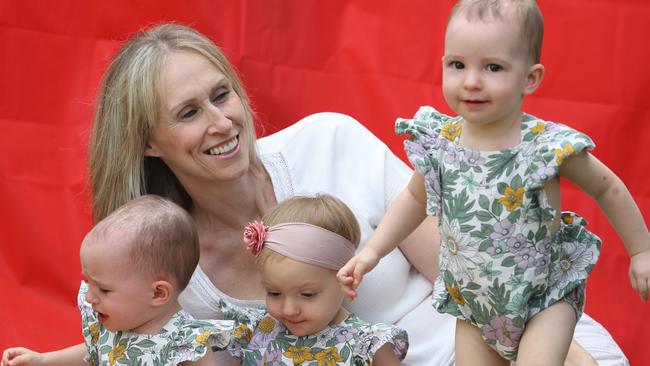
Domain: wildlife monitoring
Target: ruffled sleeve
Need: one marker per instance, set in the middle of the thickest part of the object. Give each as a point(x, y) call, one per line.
point(193, 336)
point(245, 321)
point(429, 134)
point(555, 144)
point(373, 336)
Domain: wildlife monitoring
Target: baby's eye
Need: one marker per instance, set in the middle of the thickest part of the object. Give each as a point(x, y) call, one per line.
point(104, 291)
point(456, 65)
point(308, 295)
point(273, 293)
point(494, 67)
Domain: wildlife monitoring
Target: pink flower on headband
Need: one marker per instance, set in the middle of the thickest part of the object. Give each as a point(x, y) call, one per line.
point(254, 236)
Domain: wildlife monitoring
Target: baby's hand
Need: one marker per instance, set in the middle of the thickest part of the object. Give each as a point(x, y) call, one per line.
point(640, 273)
point(21, 356)
point(351, 274)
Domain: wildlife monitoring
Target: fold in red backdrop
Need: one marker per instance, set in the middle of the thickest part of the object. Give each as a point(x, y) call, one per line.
point(374, 60)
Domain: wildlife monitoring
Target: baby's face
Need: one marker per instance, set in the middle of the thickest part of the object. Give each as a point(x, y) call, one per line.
point(305, 298)
point(485, 69)
point(119, 294)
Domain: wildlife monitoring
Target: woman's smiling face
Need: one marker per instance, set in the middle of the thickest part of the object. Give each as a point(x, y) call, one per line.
point(200, 134)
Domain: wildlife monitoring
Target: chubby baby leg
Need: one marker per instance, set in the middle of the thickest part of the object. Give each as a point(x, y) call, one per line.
point(547, 336)
point(471, 348)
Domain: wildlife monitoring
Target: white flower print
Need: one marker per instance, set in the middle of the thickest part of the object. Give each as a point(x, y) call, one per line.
point(459, 254)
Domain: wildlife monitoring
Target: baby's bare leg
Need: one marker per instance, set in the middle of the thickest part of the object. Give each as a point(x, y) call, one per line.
point(471, 349)
point(547, 336)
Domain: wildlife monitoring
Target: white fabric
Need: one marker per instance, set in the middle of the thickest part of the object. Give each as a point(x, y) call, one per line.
point(333, 153)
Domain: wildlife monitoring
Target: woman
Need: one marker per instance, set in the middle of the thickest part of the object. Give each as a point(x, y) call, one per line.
point(173, 119)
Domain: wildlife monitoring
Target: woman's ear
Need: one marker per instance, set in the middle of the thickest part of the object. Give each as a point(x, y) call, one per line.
point(162, 292)
point(150, 150)
point(534, 78)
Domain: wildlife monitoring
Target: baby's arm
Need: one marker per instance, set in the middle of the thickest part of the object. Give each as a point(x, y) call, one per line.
point(405, 213)
point(385, 357)
point(22, 356)
point(616, 202)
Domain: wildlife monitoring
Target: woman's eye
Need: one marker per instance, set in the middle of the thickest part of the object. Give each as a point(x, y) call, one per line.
point(220, 96)
point(456, 65)
point(494, 67)
point(187, 113)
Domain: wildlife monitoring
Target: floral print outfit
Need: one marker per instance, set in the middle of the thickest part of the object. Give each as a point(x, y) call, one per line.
point(500, 264)
point(183, 338)
point(260, 339)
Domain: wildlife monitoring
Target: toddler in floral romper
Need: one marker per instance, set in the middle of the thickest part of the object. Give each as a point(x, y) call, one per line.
point(136, 262)
point(512, 264)
point(306, 241)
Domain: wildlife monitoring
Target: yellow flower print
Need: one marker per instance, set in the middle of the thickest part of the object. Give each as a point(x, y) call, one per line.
point(94, 332)
point(267, 324)
point(299, 355)
point(203, 338)
point(513, 198)
point(450, 131)
point(540, 127)
point(328, 357)
point(116, 354)
point(454, 291)
point(243, 332)
point(567, 219)
point(561, 154)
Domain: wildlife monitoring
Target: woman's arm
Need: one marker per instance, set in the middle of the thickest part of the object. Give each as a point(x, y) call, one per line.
point(616, 202)
point(422, 248)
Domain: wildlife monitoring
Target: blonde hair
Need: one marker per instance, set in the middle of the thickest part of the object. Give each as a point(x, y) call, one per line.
point(128, 108)
point(527, 11)
point(163, 241)
point(322, 210)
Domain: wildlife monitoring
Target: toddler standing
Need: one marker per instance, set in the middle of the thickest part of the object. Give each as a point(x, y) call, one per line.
point(513, 265)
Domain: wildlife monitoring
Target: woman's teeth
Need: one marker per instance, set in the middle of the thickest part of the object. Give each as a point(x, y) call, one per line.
point(224, 149)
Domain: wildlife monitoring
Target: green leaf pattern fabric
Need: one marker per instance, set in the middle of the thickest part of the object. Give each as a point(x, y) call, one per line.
point(183, 338)
point(260, 339)
point(500, 264)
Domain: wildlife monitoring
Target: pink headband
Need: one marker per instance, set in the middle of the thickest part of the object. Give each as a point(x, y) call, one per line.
point(302, 242)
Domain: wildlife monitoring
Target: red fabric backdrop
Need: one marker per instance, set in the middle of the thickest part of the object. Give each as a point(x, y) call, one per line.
point(375, 60)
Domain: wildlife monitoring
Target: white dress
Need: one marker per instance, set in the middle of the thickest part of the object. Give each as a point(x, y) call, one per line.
point(333, 153)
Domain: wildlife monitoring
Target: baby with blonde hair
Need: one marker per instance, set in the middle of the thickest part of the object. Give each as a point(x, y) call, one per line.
point(299, 246)
point(136, 262)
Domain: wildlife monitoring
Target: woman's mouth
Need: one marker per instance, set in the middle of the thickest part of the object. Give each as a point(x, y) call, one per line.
point(225, 148)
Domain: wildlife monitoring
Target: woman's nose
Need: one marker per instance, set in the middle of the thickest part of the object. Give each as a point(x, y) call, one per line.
point(217, 120)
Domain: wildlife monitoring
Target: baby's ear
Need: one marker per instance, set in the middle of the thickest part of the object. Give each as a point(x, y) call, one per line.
point(534, 78)
point(162, 292)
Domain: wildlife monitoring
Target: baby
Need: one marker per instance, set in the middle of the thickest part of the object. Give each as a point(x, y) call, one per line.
point(512, 265)
point(136, 262)
point(306, 241)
